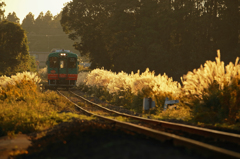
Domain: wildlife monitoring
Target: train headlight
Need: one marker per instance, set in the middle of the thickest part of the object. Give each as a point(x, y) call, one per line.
point(62, 54)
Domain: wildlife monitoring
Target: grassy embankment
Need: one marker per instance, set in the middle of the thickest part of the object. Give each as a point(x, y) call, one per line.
point(209, 95)
point(25, 109)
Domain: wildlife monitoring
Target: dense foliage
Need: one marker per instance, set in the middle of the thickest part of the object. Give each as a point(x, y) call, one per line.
point(12, 17)
point(2, 4)
point(14, 55)
point(14, 50)
point(172, 36)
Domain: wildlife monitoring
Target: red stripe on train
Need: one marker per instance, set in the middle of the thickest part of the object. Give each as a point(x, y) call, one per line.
point(55, 76)
point(72, 76)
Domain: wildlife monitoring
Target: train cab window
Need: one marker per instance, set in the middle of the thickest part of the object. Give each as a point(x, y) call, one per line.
point(53, 62)
point(62, 64)
point(72, 62)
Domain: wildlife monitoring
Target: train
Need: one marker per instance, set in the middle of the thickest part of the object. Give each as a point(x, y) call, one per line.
point(62, 69)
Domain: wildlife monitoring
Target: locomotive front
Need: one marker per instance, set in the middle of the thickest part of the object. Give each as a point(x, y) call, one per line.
point(62, 69)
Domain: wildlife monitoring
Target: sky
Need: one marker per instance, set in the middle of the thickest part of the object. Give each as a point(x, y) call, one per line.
point(23, 7)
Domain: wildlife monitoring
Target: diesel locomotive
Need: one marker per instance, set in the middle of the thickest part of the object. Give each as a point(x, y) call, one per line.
point(62, 69)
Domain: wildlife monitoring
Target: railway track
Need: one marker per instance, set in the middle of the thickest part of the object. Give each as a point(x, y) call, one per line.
point(167, 131)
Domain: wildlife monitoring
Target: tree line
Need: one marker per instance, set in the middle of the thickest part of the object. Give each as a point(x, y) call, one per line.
point(16, 40)
point(44, 33)
point(14, 53)
point(172, 36)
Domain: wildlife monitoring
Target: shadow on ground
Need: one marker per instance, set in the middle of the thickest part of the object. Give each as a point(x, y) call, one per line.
point(99, 140)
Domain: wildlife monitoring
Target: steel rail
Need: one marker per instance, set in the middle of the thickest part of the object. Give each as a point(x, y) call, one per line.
point(220, 135)
point(164, 136)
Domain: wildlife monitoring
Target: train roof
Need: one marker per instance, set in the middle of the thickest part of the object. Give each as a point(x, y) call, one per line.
point(56, 54)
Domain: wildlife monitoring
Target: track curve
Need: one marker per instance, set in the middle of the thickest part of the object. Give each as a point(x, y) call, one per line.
point(164, 136)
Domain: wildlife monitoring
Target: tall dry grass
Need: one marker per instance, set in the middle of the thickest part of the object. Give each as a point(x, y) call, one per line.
point(209, 94)
point(129, 89)
point(214, 91)
point(18, 87)
point(146, 83)
point(24, 108)
point(212, 72)
point(43, 73)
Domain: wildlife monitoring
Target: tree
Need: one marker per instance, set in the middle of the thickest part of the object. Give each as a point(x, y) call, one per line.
point(47, 19)
point(229, 25)
point(56, 27)
point(39, 25)
point(43, 23)
point(14, 53)
point(45, 32)
point(32, 64)
point(120, 35)
point(28, 22)
point(2, 4)
point(12, 17)
point(85, 20)
point(131, 35)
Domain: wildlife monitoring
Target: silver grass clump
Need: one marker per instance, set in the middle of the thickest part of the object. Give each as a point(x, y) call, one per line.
point(213, 71)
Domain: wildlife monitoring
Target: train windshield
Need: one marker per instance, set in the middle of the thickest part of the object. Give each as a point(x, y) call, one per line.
point(53, 62)
point(72, 62)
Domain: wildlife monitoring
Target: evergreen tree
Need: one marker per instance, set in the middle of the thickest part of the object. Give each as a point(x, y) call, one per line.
point(2, 4)
point(39, 24)
point(45, 32)
point(12, 17)
point(47, 19)
point(28, 22)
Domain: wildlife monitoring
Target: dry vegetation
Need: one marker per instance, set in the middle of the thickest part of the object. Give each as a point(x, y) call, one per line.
point(210, 94)
point(24, 108)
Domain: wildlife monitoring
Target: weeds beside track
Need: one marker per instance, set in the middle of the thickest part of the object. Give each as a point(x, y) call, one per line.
point(152, 130)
